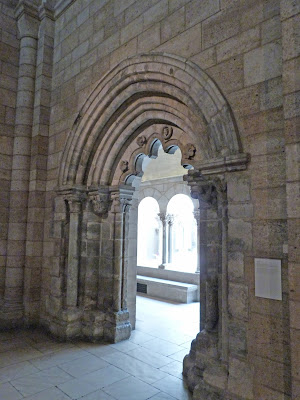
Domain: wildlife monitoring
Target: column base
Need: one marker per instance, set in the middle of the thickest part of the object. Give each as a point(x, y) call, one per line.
point(11, 315)
point(162, 266)
point(209, 378)
point(117, 326)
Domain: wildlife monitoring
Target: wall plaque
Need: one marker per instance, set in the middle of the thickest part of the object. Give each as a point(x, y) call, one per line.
point(268, 278)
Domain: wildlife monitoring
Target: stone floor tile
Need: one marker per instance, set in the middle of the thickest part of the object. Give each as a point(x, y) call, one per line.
point(49, 394)
point(101, 350)
point(8, 392)
point(125, 346)
point(161, 346)
point(179, 356)
point(138, 337)
point(186, 345)
point(149, 357)
point(174, 368)
point(18, 355)
point(40, 381)
point(83, 365)
point(105, 376)
point(172, 336)
point(57, 358)
point(130, 388)
point(135, 367)
point(16, 371)
point(162, 396)
point(98, 395)
point(76, 388)
point(48, 348)
point(174, 387)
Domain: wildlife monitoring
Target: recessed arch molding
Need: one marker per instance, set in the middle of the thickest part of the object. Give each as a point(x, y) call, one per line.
point(144, 102)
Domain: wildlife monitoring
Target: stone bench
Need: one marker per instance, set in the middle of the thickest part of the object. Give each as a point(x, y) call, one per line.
point(165, 289)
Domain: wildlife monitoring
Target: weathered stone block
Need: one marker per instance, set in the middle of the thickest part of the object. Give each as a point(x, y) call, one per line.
point(238, 300)
point(198, 11)
point(235, 266)
point(220, 27)
point(240, 380)
point(268, 238)
point(155, 13)
point(271, 94)
point(271, 30)
point(291, 105)
point(229, 74)
point(263, 63)
point(206, 58)
point(290, 37)
point(149, 39)
point(269, 203)
point(173, 25)
point(238, 44)
point(186, 44)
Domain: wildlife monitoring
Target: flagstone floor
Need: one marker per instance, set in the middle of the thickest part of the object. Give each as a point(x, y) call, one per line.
point(147, 366)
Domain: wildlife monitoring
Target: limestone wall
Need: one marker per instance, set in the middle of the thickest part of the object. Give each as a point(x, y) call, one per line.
point(250, 49)
point(239, 44)
point(9, 61)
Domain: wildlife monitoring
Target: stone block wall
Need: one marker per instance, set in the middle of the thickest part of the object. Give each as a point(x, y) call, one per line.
point(250, 48)
point(239, 44)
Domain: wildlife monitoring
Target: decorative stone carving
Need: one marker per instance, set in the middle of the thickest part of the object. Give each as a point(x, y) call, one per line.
point(124, 166)
point(121, 200)
point(100, 203)
point(190, 151)
point(207, 190)
point(141, 141)
point(167, 132)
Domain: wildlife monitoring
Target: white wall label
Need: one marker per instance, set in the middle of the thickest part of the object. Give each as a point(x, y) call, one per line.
point(268, 278)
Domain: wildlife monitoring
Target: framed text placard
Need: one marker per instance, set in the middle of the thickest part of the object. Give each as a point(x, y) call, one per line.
point(268, 278)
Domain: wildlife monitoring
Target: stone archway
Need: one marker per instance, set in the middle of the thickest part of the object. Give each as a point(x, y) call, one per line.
point(144, 100)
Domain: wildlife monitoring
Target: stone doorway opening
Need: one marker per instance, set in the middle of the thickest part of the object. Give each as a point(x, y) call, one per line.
point(166, 234)
point(144, 102)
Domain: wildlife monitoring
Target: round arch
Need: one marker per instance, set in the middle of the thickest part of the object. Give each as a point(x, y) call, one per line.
point(145, 101)
point(142, 91)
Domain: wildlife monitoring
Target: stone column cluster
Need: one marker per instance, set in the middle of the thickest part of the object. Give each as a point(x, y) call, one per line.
point(28, 23)
point(211, 343)
point(89, 291)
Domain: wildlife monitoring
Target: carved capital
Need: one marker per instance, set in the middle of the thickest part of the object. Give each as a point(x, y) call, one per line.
point(75, 203)
point(100, 202)
point(166, 218)
point(207, 190)
point(170, 219)
point(121, 199)
point(46, 10)
point(27, 16)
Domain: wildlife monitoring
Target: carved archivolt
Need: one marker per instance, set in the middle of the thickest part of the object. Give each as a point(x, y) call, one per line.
point(141, 141)
point(190, 151)
point(167, 132)
point(124, 166)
